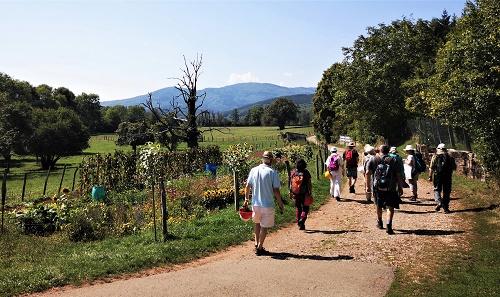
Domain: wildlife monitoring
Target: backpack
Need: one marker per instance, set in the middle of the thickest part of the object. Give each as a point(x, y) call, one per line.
point(334, 163)
point(350, 158)
point(297, 183)
point(419, 163)
point(384, 174)
point(440, 163)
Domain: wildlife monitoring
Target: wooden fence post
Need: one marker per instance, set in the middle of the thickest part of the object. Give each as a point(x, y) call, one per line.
point(61, 182)
point(164, 209)
point(288, 171)
point(154, 208)
point(46, 180)
point(317, 167)
point(236, 191)
point(4, 194)
point(74, 178)
point(24, 187)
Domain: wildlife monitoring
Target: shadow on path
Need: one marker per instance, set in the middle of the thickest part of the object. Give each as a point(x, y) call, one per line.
point(477, 209)
point(364, 201)
point(430, 232)
point(415, 212)
point(286, 256)
point(332, 232)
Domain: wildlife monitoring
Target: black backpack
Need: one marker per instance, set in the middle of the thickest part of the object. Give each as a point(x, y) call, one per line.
point(419, 163)
point(384, 174)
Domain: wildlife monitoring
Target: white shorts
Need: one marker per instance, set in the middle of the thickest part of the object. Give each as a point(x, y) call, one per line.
point(263, 216)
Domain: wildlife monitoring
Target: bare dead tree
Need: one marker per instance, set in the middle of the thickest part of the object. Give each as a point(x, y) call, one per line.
point(181, 121)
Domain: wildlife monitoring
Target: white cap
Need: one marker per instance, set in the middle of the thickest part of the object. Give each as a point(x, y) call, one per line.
point(393, 149)
point(409, 147)
point(441, 146)
point(333, 149)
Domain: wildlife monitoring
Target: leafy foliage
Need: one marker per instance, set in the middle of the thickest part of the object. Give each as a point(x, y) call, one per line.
point(280, 112)
point(236, 157)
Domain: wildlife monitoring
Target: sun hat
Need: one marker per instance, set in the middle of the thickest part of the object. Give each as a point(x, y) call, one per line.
point(441, 146)
point(333, 149)
point(369, 148)
point(351, 144)
point(409, 147)
point(393, 149)
point(267, 155)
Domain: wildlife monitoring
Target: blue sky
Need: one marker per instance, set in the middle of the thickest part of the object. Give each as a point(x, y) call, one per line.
point(120, 49)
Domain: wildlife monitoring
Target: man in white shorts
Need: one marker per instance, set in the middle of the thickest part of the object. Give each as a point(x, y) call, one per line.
point(264, 183)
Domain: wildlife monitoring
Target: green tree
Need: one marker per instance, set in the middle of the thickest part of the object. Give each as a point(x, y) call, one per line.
point(136, 114)
point(134, 134)
point(113, 116)
point(57, 133)
point(280, 112)
point(465, 91)
point(89, 110)
point(235, 117)
point(254, 116)
point(15, 127)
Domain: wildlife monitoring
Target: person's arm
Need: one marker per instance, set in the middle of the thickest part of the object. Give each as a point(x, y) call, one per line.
point(431, 171)
point(247, 193)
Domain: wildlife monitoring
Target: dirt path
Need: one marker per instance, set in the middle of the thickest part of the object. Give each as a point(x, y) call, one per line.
point(341, 253)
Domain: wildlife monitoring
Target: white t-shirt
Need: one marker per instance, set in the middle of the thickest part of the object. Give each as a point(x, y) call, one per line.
point(408, 167)
point(327, 162)
point(263, 180)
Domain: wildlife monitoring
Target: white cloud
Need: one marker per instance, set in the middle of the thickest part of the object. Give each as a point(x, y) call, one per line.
point(235, 78)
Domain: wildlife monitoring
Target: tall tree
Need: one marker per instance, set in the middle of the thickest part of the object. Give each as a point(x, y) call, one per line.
point(235, 117)
point(280, 112)
point(254, 116)
point(134, 134)
point(57, 133)
point(89, 110)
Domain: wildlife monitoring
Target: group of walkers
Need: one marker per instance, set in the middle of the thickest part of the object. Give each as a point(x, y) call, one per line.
point(385, 175)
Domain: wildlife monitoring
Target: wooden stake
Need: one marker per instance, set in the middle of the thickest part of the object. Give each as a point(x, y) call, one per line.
point(4, 195)
point(46, 180)
point(24, 187)
point(236, 191)
point(74, 178)
point(164, 209)
point(61, 182)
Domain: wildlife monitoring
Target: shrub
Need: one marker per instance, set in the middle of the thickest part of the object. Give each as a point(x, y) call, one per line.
point(41, 219)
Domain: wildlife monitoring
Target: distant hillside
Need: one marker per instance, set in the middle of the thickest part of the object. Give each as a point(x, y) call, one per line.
point(303, 100)
point(220, 99)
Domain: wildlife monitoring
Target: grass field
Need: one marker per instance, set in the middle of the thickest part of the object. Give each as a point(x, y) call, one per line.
point(261, 137)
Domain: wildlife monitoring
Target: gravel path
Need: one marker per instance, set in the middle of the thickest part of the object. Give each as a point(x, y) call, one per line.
point(341, 253)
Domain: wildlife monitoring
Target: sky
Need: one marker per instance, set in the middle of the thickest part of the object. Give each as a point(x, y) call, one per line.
point(121, 49)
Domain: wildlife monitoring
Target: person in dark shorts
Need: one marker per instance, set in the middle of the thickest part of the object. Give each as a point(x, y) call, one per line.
point(351, 158)
point(384, 174)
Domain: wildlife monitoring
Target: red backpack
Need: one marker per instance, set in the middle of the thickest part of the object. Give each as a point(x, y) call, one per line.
point(297, 185)
point(350, 158)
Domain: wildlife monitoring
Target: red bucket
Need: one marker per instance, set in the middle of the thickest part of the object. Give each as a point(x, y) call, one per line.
point(245, 213)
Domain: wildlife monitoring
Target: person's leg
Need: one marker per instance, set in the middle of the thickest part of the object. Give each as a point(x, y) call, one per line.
point(446, 194)
point(332, 184)
point(262, 237)
point(437, 192)
point(380, 224)
point(256, 230)
point(390, 215)
point(336, 185)
point(298, 214)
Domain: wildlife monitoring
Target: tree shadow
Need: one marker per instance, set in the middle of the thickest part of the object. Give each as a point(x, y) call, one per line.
point(286, 256)
point(355, 200)
point(477, 209)
point(331, 232)
point(418, 203)
point(415, 212)
point(430, 232)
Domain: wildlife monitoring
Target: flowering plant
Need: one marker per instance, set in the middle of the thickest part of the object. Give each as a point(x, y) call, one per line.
point(237, 156)
point(149, 163)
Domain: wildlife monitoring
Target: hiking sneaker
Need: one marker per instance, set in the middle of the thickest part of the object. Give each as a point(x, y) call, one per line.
point(380, 225)
point(337, 198)
point(351, 189)
point(446, 210)
point(261, 252)
point(302, 226)
point(438, 207)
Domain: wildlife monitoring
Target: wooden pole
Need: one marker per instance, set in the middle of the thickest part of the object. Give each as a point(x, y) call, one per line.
point(4, 195)
point(154, 208)
point(236, 191)
point(61, 182)
point(317, 167)
point(74, 178)
point(164, 209)
point(288, 171)
point(321, 158)
point(46, 180)
point(24, 187)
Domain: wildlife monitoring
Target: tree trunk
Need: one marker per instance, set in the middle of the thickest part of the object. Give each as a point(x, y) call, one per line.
point(48, 161)
point(7, 158)
point(192, 129)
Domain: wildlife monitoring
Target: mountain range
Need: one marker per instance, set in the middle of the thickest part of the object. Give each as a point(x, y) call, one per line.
point(242, 95)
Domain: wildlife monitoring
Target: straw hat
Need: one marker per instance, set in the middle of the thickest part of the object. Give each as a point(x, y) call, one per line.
point(369, 148)
point(409, 147)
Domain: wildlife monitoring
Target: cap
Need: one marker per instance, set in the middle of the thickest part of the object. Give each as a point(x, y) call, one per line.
point(409, 147)
point(441, 146)
point(351, 144)
point(333, 149)
point(392, 149)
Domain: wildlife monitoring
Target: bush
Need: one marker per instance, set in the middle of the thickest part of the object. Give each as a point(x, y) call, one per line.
point(41, 219)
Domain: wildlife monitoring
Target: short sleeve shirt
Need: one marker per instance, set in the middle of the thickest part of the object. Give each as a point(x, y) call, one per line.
point(263, 179)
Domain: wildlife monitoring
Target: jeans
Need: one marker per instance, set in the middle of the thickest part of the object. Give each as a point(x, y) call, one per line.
point(442, 185)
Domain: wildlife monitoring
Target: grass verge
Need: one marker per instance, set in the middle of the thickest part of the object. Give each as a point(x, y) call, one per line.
point(470, 273)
